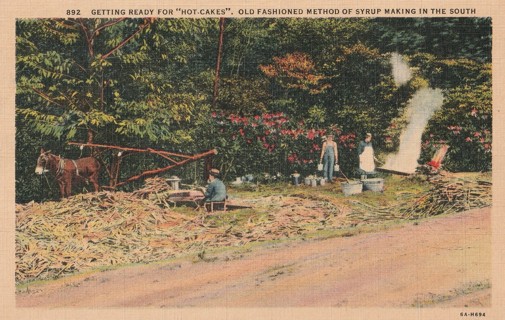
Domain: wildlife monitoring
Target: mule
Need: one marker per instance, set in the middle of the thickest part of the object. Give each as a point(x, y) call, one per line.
point(67, 171)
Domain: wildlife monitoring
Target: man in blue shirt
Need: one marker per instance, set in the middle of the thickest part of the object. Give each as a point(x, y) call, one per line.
point(216, 190)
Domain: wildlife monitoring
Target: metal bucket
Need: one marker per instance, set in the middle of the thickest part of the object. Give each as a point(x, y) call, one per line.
point(375, 184)
point(352, 187)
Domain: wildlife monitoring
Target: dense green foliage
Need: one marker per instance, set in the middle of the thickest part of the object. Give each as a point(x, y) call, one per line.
point(283, 84)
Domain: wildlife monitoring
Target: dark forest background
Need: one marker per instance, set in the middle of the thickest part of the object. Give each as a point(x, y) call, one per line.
point(262, 92)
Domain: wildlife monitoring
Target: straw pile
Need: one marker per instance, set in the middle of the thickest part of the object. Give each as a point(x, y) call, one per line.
point(102, 229)
point(152, 186)
point(87, 231)
point(449, 196)
point(95, 230)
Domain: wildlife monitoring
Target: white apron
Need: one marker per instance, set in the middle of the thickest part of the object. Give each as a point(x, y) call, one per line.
point(366, 161)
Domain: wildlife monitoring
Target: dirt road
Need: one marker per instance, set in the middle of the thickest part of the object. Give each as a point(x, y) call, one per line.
point(445, 261)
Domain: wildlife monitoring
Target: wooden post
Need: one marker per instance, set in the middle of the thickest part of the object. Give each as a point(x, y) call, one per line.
point(207, 167)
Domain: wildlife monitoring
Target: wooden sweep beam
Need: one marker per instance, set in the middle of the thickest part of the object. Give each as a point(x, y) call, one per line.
point(148, 150)
point(164, 154)
point(160, 170)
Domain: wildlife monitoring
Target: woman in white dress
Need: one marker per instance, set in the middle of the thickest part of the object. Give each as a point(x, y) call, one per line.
point(366, 155)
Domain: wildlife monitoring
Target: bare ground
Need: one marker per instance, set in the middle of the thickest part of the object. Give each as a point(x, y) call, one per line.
point(442, 262)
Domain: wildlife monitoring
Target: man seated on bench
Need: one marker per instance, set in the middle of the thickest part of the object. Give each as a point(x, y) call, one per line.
point(216, 190)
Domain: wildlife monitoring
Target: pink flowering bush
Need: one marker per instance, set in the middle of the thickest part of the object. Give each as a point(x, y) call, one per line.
point(269, 143)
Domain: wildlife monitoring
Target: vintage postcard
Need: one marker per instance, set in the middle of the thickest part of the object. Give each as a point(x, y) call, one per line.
point(232, 160)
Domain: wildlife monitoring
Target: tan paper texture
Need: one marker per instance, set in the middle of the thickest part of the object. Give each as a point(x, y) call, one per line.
point(10, 11)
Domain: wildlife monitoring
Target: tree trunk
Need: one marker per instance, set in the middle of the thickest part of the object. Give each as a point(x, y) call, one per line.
point(218, 62)
point(207, 168)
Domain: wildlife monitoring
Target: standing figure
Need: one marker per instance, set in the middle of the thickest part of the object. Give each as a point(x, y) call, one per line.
point(366, 156)
point(329, 157)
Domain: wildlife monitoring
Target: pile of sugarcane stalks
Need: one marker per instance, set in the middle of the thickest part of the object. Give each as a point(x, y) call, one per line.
point(156, 190)
point(86, 231)
point(449, 196)
point(94, 230)
point(152, 186)
point(363, 213)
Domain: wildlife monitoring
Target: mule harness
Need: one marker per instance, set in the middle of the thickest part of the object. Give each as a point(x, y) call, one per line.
point(61, 166)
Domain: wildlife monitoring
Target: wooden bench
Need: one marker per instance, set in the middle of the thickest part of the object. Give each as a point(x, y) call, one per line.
point(215, 205)
point(185, 196)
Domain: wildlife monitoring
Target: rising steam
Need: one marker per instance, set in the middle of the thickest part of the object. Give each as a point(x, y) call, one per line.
point(419, 111)
point(401, 70)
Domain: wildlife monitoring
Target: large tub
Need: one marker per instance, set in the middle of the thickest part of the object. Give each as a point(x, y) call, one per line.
point(352, 187)
point(375, 184)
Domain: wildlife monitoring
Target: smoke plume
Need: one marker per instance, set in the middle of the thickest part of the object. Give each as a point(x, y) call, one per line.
point(401, 70)
point(420, 109)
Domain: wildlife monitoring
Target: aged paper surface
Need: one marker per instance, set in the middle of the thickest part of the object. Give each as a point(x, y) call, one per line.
point(240, 9)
